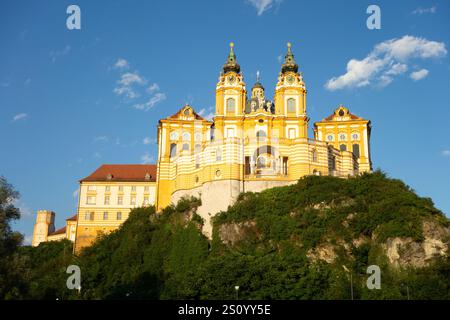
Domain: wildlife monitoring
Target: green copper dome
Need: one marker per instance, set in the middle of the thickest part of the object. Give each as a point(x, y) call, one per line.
point(289, 61)
point(231, 64)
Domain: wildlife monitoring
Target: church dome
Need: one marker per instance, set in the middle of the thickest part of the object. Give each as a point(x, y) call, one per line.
point(231, 63)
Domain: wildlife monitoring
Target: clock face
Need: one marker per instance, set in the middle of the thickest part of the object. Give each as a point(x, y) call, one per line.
point(290, 79)
point(231, 79)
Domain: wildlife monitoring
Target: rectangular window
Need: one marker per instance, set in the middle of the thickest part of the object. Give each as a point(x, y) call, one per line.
point(231, 105)
point(107, 189)
point(146, 189)
point(291, 105)
point(133, 189)
point(106, 200)
point(120, 200)
point(91, 188)
point(285, 165)
point(105, 215)
point(218, 154)
point(247, 166)
point(89, 216)
point(146, 202)
point(90, 200)
point(292, 134)
point(120, 188)
point(230, 133)
point(356, 150)
point(132, 201)
point(119, 215)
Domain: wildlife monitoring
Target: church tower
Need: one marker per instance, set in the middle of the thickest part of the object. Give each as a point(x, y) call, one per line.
point(230, 90)
point(45, 224)
point(230, 96)
point(290, 98)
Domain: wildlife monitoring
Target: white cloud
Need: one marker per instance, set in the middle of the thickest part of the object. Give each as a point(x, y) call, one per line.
point(396, 69)
point(155, 99)
point(129, 78)
point(126, 83)
point(101, 139)
point(131, 85)
point(121, 64)
point(58, 53)
point(420, 11)
point(207, 114)
point(127, 91)
point(418, 75)
point(410, 47)
point(263, 5)
point(148, 140)
point(153, 88)
point(387, 59)
point(146, 158)
point(19, 116)
point(446, 153)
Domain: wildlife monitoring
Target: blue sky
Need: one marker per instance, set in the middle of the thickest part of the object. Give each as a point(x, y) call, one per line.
point(71, 100)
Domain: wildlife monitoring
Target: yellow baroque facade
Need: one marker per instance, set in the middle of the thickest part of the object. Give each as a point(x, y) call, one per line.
point(251, 144)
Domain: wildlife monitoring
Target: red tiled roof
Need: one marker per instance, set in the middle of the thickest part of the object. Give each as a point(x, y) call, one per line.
point(123, 172)
point(59, 231)
point(73, 218)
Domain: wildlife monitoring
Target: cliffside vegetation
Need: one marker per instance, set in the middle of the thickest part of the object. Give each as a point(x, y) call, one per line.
point(311, 240)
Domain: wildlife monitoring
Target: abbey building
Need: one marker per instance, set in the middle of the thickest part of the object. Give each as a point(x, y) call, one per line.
point(251, 144)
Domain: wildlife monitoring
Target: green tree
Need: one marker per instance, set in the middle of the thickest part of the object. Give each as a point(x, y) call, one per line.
point(11, 264)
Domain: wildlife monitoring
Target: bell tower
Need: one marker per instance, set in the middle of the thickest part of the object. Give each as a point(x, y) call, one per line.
point(45, 224)
point(230, 90)
point(290, 94)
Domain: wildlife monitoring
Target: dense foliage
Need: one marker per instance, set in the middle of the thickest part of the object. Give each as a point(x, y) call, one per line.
point(165, 255)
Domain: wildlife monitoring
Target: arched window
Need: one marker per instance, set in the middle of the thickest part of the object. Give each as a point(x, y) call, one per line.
point(356, 150)
point(314, 155)
point(173, 150)
point(261, 134)
point(342, 137)
point(231, 105)
point(186, 136)
point(185, 146)
point(291, 105)
point(333, 163)
point(343, 147)
point(173, 135)
point(355, 136)
point(198, 136)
